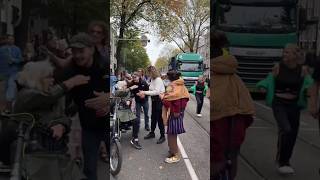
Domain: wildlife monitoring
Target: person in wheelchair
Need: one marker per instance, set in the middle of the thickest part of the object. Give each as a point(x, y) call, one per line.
point(40, 97)
point(123, 90)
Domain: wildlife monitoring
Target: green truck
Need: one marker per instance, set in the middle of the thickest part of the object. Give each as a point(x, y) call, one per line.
point(257, 30)
point(190, 65)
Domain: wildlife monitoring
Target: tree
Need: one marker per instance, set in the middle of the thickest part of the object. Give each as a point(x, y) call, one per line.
point(134, 55)
point(182, 22)
point(125, 14)
point(161, 62)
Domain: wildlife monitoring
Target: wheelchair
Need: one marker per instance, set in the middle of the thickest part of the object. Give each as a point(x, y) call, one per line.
point(121, 117)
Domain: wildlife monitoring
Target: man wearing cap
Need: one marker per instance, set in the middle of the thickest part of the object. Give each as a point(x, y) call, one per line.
point(91, 99)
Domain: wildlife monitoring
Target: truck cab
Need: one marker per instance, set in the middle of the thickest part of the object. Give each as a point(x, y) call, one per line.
point(190, 65)
point(257, 31)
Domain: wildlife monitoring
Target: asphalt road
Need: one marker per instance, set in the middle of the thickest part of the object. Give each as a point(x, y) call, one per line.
point(148, 163)
point(259, 149)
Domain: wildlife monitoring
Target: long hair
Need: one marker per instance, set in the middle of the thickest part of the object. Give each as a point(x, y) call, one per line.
point(153, 72)
point(33, 73)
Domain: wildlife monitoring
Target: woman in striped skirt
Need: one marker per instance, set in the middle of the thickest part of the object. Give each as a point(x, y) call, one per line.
point(174, 100)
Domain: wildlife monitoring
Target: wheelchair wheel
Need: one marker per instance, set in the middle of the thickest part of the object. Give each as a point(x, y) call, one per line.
point(115, 157)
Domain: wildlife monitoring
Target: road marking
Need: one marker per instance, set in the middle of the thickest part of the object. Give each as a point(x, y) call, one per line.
point(187, 161)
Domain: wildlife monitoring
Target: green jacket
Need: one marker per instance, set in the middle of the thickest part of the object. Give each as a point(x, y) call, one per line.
point(269, 85)
point(193, 89)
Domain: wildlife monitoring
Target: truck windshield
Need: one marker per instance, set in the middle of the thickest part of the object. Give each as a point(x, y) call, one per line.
point(258, 19)
point(190, 66)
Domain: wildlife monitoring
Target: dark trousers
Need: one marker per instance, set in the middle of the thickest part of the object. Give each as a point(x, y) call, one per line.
point(136, 124)
point(156, 115)
point(199, 98)
point(90, 145)
point(8, 134)
point(287, 116)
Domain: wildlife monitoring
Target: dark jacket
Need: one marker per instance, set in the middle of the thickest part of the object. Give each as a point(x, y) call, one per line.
point(142, 86)
point(98, 73)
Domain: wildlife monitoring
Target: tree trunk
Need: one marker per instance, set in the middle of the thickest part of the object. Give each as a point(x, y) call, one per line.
point(120, 65)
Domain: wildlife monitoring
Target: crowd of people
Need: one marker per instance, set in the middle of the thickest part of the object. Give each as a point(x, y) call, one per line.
point(169, 97)
point(289, 89)
point(55, 81)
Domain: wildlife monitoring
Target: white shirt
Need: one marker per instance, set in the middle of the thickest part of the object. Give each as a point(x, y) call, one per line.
point(156, 87)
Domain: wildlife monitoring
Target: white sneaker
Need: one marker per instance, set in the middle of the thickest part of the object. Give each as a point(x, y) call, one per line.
point(285, 170)
point(173, 159)
point(199, 115)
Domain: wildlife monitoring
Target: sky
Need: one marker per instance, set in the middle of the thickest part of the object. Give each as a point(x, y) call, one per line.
point(155, 46)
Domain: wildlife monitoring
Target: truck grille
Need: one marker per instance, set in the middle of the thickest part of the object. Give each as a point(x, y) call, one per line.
point(253, 69)
point(189, 83)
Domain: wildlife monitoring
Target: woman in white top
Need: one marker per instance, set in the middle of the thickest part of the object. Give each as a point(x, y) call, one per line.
point(155, 89)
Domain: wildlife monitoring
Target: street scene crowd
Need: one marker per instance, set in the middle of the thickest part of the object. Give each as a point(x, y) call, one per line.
point(169, 98)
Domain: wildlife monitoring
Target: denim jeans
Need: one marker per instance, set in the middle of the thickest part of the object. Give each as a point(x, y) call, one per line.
point(11, 88)
point(136, 124)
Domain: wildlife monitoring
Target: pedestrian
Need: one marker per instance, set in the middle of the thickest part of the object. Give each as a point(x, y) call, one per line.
point(232, 110)
point(156, 87)
point(286, 89)
point(98, 31)
point(29, 52)
point(11, 58)
point(175, 100)
point(145, 78)
point(140, 102)
point(91, 100)
point(199, 90)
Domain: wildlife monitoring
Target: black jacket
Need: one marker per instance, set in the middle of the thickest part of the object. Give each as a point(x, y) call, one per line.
point(142, 86)
point(98, 82)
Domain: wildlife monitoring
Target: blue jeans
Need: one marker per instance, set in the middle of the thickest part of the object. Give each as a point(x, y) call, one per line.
point(145, 107)
point(11, 88)
point(90, 145)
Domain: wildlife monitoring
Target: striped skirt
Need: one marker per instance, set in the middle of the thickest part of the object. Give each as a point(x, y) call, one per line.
point(175, 124)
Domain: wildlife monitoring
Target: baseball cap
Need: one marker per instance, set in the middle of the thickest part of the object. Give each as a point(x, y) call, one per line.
point(81, 40)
